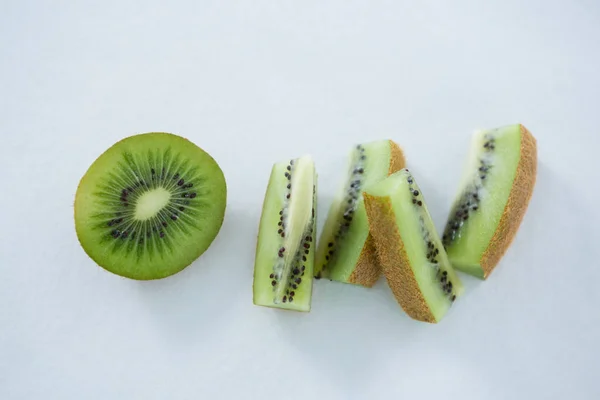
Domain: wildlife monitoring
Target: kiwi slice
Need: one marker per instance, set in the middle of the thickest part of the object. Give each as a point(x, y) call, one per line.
point(493, 197)
point(410, 251)
point(345, 252)
point(150, 205)
point(283, 267)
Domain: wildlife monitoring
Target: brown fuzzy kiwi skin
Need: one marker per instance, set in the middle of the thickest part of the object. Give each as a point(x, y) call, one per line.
point(394, 260)
point(516, 206)
point(368, 268)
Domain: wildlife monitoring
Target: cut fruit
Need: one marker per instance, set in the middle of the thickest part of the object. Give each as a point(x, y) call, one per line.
point(150, 205)
point(345, 252)
point(492, 200)
point(410, 251)
point(283, 267)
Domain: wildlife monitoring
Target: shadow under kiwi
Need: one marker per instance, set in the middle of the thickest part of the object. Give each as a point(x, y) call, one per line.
point(191, 305)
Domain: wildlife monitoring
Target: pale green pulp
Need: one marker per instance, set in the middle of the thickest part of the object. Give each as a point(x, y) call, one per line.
point(408, 220)
point(466, 250)
point(269, 242)
point(348, 248)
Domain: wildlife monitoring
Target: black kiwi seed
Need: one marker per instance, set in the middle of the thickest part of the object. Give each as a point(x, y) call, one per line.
point(296, 271)
point(273, 283)
point(419, 203)
point(298, 281)
point(180, 182)
point(284, 299)
point(416, 193)
point(291, 299)
point(303, 258)
point(193, 195)
point(272, 276)
point(292, 293)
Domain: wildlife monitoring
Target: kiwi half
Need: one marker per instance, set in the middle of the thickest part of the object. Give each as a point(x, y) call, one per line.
point(493, 197)
point(345, 252)
point(283, 266)
point(410, 251)
point(150, 205)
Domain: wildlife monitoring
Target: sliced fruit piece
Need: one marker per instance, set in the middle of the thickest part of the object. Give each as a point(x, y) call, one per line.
point(150, 205)
point(345, 252)
point(410, 251)
point(283, 267)
point(493, 197)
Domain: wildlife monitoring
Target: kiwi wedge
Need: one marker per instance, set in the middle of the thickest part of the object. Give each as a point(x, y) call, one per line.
point(283, 267)
point(410, 251)
point(494, 194)
point(150, 205)
point(345, 252)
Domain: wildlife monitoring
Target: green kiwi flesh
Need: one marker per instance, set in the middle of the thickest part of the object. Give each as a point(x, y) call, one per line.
point(411, 253)
point(284, 260)
point(345, 243)
point(150, 205)
point(497, 182)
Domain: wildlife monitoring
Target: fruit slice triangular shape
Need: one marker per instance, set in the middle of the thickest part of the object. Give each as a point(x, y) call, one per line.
point(345, 252)
point(410, 251)
point(495, 190)
point(283, 267)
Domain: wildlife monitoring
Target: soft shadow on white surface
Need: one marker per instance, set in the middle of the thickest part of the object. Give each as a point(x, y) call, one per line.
point(185, 308)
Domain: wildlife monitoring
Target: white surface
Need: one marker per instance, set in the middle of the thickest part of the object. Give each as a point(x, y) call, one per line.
point(259, 81)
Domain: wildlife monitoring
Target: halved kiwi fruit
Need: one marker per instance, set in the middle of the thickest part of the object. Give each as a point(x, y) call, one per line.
point(345, 252)
point(150, 205)
point(410, 251)
point(283, 267)
point(493, 197)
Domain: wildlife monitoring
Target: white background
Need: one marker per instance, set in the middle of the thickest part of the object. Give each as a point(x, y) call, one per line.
point(255, 82)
